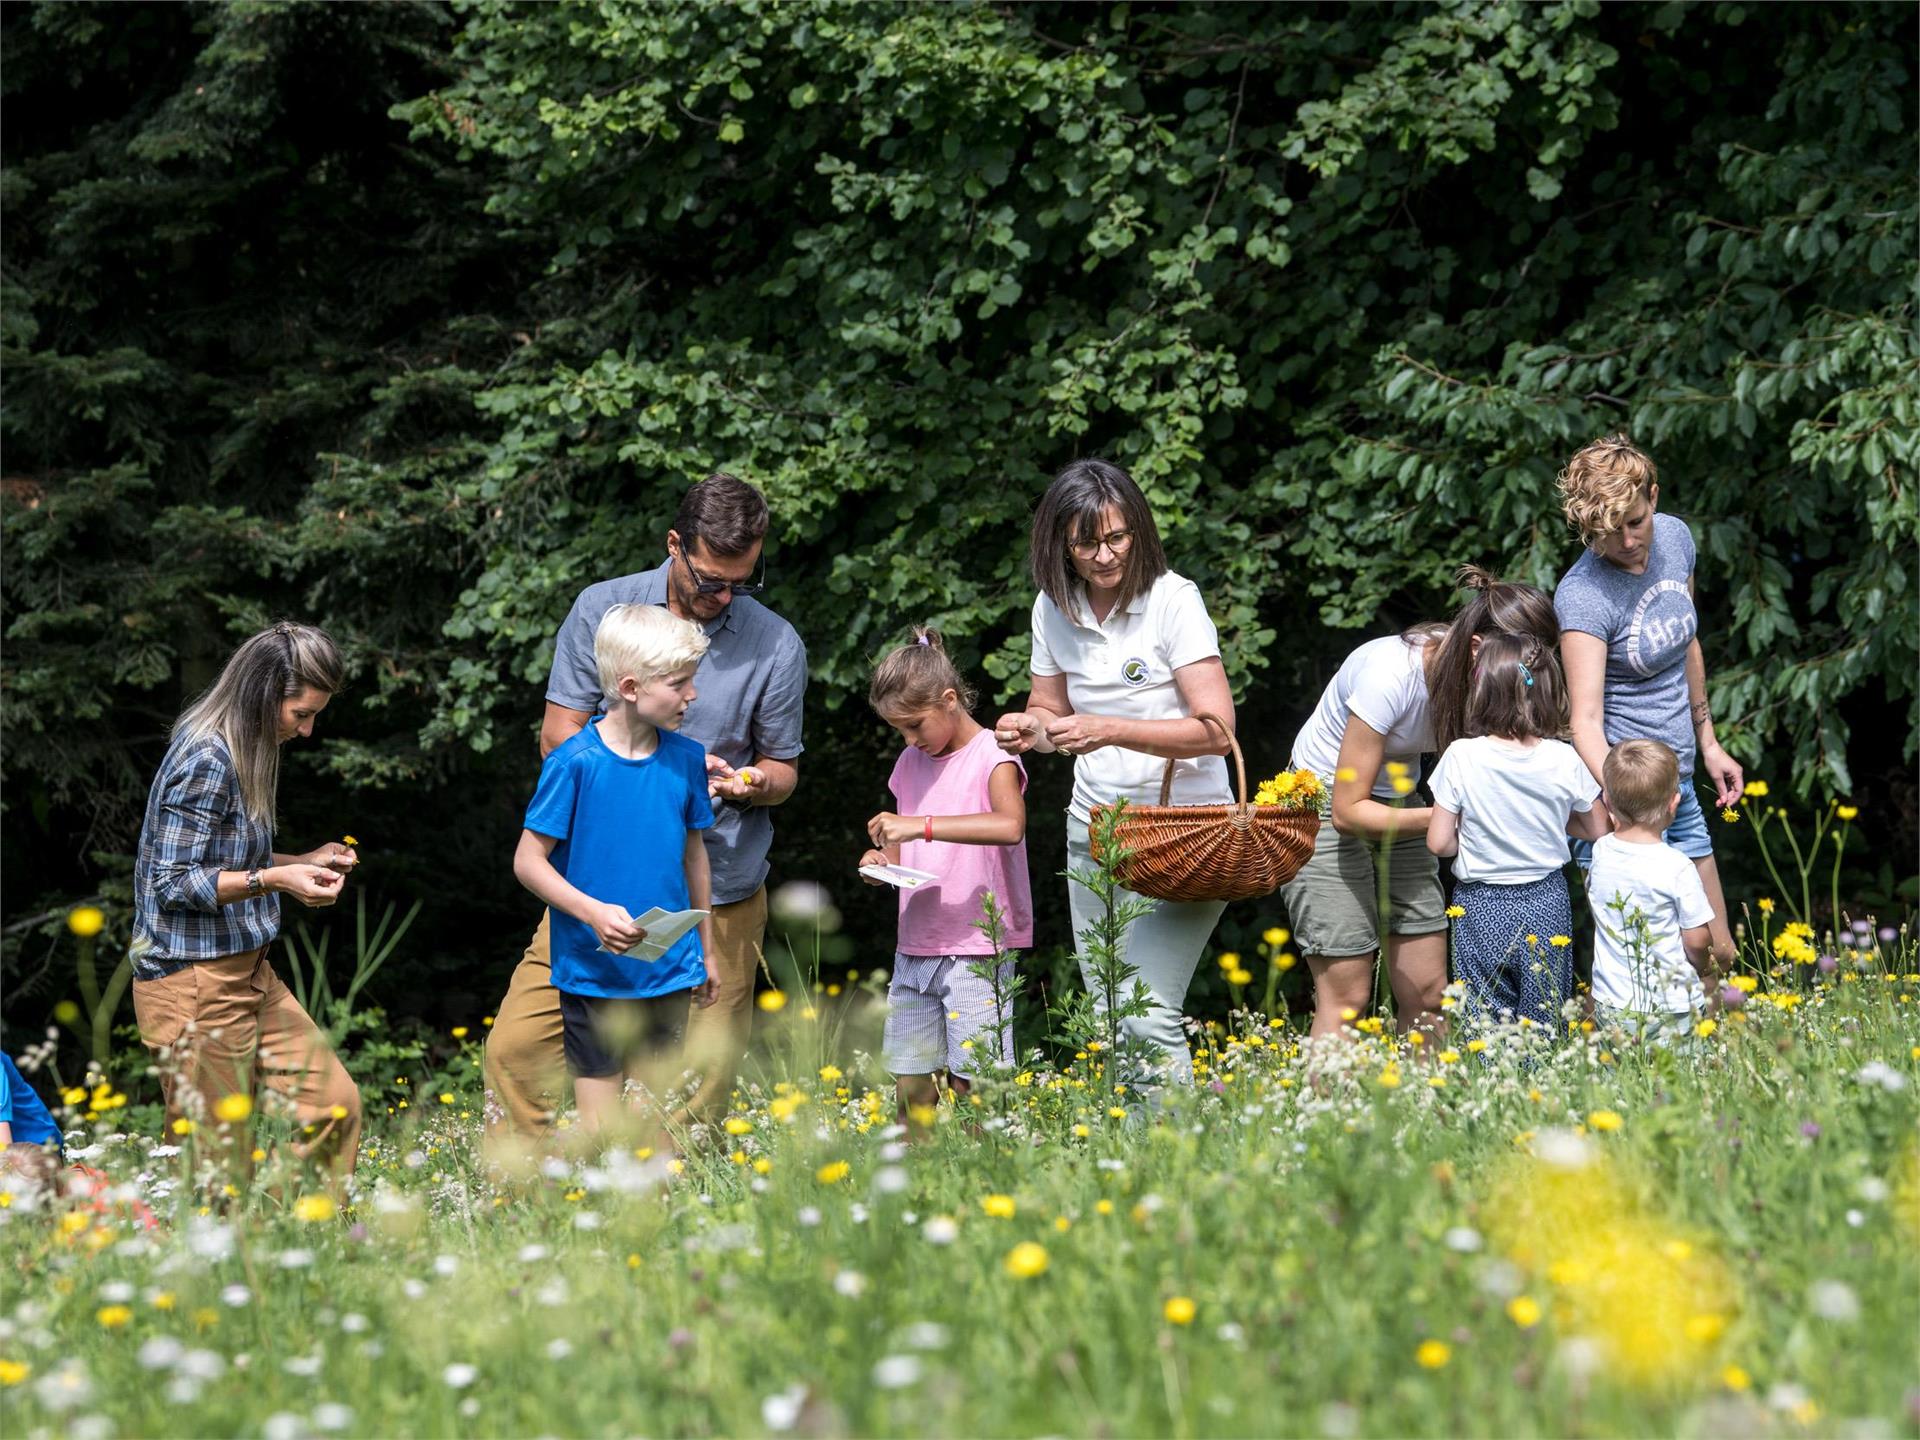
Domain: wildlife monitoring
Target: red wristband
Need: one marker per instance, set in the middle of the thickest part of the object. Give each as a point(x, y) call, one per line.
point(929, 829)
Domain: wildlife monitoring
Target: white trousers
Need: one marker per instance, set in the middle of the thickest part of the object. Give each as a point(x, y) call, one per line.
point(1164, 946)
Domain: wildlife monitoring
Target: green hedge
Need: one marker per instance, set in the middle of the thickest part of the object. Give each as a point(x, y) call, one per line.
point(413, 321)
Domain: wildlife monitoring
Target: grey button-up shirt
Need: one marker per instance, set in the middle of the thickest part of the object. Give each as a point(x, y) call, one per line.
point(751, 686)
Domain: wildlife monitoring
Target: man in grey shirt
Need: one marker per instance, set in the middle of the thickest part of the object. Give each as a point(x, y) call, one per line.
point(751, 688)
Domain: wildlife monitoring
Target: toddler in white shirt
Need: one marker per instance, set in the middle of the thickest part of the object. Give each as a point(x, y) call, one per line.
point(1652, 950)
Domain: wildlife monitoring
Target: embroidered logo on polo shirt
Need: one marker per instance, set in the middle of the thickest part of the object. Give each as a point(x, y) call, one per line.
point(1134, 672)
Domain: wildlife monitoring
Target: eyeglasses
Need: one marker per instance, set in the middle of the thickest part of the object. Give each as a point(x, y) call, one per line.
point(704, 586)
point(1118, 542)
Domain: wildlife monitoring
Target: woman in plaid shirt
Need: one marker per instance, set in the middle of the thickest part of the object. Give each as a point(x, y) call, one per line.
point(207, 887)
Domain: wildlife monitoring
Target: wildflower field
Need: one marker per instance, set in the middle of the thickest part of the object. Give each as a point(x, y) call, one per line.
point(1499, 1232)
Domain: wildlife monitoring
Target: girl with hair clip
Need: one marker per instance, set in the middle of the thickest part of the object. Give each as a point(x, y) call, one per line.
point(963, 817)
point(206, 894)
point(1395, 699)
point(1505, 799)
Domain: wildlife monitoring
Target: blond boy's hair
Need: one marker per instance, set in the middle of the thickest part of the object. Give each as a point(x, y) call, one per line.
point(1601, 485)
point(646, 642)
point(1641, 776)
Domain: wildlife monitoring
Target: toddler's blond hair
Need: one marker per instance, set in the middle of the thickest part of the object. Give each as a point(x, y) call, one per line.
point(1641, 777)
point(646, 642)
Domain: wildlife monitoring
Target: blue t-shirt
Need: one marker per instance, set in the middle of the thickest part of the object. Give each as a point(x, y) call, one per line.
point(25, 1111)
point(1649, 624)
point(622, 827)
point(753, 682)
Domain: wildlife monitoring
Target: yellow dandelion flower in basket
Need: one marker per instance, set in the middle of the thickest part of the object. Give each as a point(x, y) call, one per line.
point(1238, 851)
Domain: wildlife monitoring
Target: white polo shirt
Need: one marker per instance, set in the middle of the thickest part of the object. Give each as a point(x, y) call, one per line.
point(1124, 667)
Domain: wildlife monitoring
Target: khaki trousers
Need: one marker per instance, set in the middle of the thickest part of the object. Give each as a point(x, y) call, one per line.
point(231, 1027)
point(525, 1063)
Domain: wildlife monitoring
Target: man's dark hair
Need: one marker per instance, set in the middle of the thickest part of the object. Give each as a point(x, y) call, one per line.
point(723, 513)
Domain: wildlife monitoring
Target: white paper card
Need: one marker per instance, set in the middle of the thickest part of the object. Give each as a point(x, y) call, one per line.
point(903, 876)
point(663, 929)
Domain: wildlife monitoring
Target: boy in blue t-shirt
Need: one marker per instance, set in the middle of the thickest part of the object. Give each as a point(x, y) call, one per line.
point(614, 830)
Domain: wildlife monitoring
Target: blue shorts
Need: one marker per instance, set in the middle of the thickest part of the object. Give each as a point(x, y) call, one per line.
point(1688, 833)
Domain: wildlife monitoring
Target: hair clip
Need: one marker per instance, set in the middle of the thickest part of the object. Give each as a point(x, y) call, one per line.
point(1525, 673)
point(923, 640)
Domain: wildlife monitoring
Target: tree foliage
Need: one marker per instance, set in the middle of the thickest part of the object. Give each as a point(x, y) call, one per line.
point(415, 321)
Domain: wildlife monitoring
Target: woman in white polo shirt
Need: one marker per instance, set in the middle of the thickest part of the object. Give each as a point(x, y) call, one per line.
point(1124, 657)
point(1395, 699)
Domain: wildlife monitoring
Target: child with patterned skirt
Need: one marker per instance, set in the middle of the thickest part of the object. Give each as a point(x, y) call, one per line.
point(1506, 798)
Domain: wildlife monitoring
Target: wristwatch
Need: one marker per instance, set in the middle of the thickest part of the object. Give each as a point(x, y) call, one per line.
point(255, 885)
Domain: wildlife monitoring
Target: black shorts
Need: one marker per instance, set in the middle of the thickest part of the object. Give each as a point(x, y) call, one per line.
point(604, 1037)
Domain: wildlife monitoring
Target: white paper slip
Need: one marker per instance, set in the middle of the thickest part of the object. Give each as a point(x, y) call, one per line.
point(663, 929)
point(904, 876)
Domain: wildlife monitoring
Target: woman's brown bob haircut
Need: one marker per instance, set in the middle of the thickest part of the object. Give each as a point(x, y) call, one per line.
point(1070, 514)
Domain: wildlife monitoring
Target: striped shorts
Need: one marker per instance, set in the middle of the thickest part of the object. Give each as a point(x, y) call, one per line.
point(942, 1016)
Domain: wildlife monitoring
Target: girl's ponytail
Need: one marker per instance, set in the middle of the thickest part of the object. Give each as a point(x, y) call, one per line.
point(915, 675)
point(1476, 578)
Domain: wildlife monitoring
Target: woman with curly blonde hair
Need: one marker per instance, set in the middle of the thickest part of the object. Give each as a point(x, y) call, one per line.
point(1630, 643)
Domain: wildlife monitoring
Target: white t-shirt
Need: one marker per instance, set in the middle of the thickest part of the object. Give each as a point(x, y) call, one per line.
point(1384, 682)
point(1513, 801)
point(1662, 884)
point(1124, 666)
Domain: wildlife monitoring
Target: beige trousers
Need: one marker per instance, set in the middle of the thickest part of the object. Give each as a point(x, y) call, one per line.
point(231, 1027)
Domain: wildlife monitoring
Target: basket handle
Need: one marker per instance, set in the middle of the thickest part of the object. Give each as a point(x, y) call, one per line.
point(1239, 762)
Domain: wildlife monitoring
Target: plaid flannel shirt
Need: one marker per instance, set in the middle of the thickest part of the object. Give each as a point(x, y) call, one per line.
point(196, 827)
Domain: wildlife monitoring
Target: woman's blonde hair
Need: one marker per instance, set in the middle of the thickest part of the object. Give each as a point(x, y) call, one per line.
point(1601, 485)
point(242, 706)
point(646, 642)
point(914, 676)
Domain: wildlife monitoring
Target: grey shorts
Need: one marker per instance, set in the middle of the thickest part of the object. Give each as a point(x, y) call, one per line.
point(1335, 898)
point(940, 1016)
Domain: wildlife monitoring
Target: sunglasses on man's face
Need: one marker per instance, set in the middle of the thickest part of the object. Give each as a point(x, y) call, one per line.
point(703, 585)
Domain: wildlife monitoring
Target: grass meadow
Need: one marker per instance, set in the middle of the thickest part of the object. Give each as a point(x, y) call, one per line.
point(1502, 1233)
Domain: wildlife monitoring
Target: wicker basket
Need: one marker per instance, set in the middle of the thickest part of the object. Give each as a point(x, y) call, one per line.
point(1211, 852)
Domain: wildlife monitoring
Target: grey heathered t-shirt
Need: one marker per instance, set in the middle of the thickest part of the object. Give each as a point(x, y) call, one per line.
point(750, 688)
point(1648, 622)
